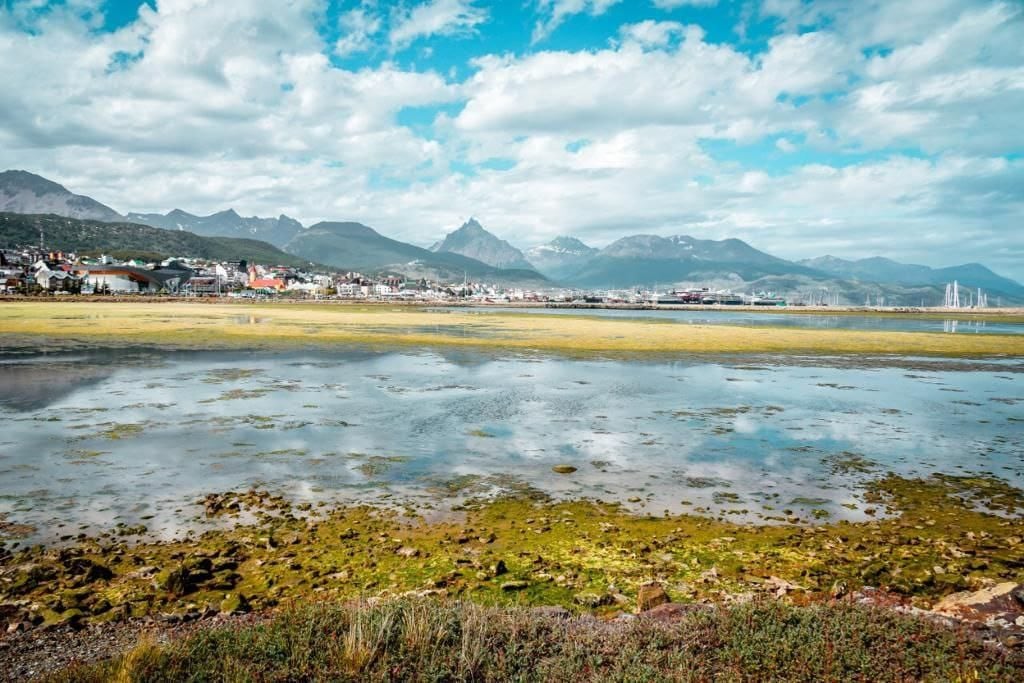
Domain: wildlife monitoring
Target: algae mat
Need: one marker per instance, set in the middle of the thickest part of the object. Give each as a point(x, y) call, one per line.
point(279, 324)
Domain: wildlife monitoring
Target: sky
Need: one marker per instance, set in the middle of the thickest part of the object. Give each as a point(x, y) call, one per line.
point(805, 127)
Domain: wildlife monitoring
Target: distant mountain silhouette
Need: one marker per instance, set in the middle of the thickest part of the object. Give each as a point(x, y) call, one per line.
point(24, 192)
point(355, 246)
point(880, 269)
point(228, 223)
point(561, 257)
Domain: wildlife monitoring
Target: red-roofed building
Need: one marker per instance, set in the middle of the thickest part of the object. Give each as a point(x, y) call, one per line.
point(267, 283)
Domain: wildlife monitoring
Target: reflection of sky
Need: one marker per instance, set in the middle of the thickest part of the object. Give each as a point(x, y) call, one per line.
point(809, 320)
point(663, 432)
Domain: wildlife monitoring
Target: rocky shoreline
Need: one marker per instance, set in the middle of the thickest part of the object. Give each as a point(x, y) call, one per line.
point(948, 550)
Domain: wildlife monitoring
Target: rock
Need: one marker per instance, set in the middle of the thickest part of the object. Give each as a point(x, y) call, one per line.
point(510, 586)
point(781, 586)
point(186, 577)
point(175, 581)
point(143, 572)
point(551, 612)
point(408, 551)
point(19, 626)
point(234, 603)
point(592, 600)
point(71, 617)
point(998, 602)
point(563, 469)
point(673, 611)
point(709, 576)
point(650, 595)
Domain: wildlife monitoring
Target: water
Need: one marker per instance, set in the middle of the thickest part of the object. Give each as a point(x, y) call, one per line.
point(93, 439)
point(885, 323)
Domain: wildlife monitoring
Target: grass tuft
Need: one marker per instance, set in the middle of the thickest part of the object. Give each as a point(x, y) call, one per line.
point(436, 640)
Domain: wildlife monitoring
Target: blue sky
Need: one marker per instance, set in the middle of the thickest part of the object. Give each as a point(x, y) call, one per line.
point(803, 126)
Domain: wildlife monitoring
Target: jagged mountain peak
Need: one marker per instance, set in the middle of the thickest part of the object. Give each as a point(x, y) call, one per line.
point(227, 223)
point(473, 240)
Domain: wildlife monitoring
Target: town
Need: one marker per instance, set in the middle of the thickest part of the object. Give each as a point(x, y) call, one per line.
point(35, 271)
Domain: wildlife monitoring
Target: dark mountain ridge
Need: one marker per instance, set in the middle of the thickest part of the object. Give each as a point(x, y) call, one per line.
point(132, 240)
point(24, 192)
point(355, 246)
point(277, 231)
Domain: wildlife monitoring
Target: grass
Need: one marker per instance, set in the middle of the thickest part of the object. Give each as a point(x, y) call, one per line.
point(420, 640)
point(216, 325)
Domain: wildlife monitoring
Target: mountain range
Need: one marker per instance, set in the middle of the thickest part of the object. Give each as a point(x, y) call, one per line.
point(359, 247)
point(276, 231)
point(473, 252)
point(132, 240)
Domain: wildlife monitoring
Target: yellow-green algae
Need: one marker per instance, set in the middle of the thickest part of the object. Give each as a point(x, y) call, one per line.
point(946, 534)
point(216, 325)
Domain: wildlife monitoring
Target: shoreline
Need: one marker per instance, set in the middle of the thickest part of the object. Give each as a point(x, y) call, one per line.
point(580, 558)
point(288, 325)
point(887, 311)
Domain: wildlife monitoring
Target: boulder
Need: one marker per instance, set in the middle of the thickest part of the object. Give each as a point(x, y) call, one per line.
point(234, 603)
point(511, 586)
point(1002, 601)
point(650, 595)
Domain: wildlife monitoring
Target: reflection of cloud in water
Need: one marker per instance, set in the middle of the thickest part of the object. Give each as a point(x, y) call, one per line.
point(657, 430)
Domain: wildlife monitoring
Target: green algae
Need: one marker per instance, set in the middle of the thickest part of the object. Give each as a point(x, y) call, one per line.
point(938, 540)
point(116, 431)
point(376, 465)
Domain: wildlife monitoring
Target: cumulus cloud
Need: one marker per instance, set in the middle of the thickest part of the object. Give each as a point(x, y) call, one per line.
point(912, 107)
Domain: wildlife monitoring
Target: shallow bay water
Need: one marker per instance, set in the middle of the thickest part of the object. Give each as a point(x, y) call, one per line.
point(785, 318)
point(95, 438)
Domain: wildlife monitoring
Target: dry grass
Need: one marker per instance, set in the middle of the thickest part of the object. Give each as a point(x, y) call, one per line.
point(270, 325)
point(760, 641)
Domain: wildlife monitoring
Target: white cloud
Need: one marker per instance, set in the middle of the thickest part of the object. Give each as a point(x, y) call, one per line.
point(785, 145)
point(436, 17)
point(358, 27)
point(651, 33)
point(207, 105)
point(672, 4)
point(554, 12)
